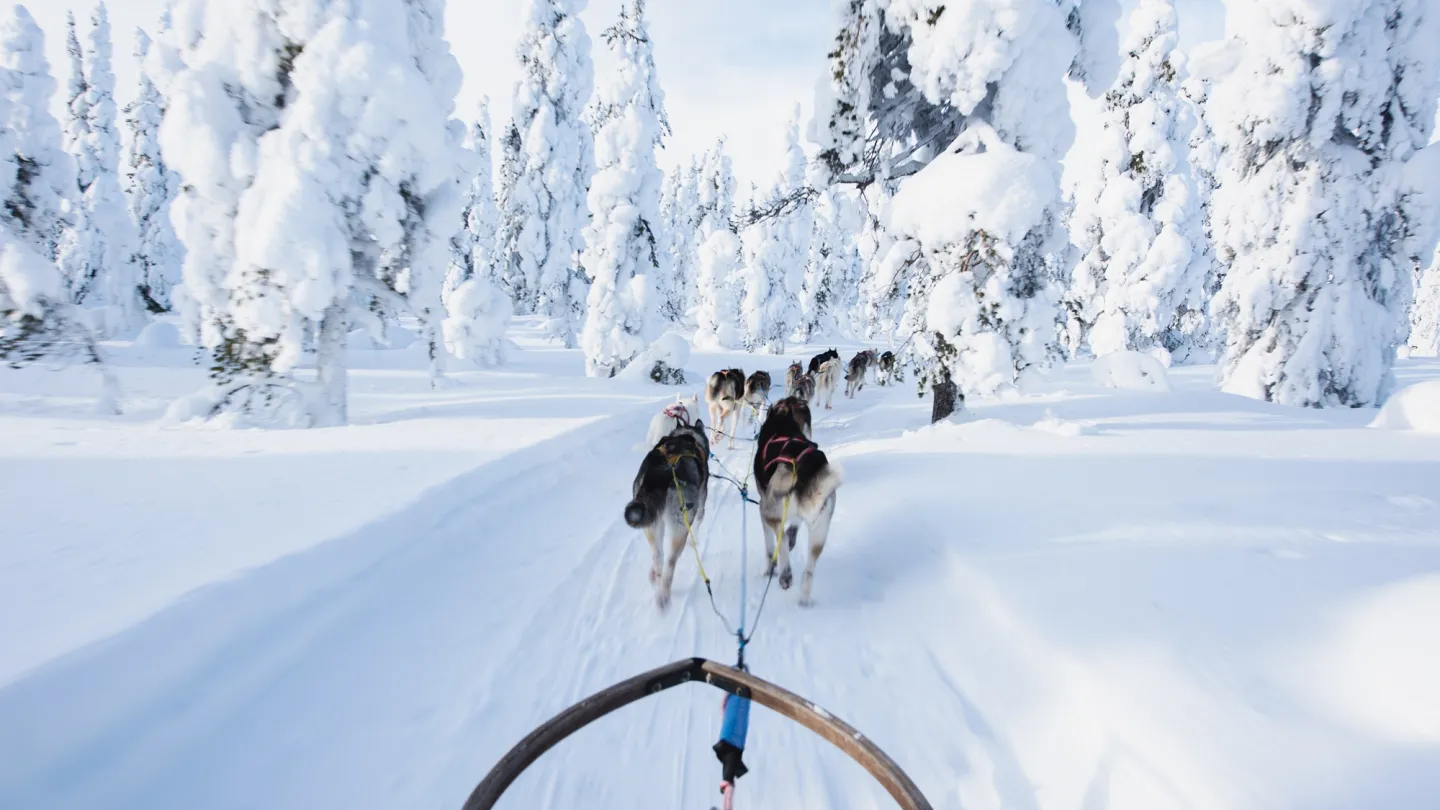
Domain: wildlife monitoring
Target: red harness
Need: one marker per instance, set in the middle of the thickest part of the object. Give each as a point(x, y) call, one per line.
point(786, 453)
point(679, 413)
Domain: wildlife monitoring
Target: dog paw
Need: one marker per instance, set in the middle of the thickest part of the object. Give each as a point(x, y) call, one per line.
point(662, 600)
point(806, 602)
point(787, 578)
point(654, 576)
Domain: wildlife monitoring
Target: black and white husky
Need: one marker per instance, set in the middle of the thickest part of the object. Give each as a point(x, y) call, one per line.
point(797, 484)
point(669, 492)
point(723, 395)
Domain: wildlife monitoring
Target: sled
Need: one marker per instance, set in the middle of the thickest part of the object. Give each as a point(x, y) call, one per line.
point(697, 670)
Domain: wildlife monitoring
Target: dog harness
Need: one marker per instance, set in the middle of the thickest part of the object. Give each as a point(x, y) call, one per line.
point(786, 449)
point(679, 413)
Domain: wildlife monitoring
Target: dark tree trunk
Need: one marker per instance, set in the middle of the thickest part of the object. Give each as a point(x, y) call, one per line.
point(945, 399)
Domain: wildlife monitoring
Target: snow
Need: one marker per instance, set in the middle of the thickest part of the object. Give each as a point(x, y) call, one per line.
point(159, 335)
point(671, 348)
point(1131, 371)
point(1195, 600)
point(1415, 407)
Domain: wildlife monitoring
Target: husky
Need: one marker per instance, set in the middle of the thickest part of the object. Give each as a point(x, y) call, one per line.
point(887, 368)
point(805, 388)
point(855, 375)
point(723, 395)
point(797, 484)
point(681, 412)
point(797, 410)
point(757, 393)
point(819, 360)
point(827, 380)
point(669, 492)
point(792, 379)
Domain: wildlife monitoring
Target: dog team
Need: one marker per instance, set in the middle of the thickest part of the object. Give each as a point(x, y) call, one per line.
point(795, 481)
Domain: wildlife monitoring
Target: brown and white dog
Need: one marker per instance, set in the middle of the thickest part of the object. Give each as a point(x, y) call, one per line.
point(757, 394)
point(826, 380)
point(797, 485)
point(723, 394)
point(792, 379)
point(887, 368)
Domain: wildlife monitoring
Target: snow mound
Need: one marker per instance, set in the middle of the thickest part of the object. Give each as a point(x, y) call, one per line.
point(1061, 427)
point(159, 335)
point(241, 406)
point(661, 361)
point(1415, 407)
point(1131, 371)
point(1380, 669)
point(396, 338)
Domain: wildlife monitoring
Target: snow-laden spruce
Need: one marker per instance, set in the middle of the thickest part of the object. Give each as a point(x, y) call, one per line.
point(99, 252)
point(624, 253)
point(1313, 216)
point(967, 102)
point(477, 309)
point(717, 254)
point(150, 188)
point(679, 204)
point(37, 320)
point(38, 204)
point(1139, 284)
point(777, 249)
point(1425, 312)
point(832, 275)
point(346, 205)
point(507, 187)
point(547, 203)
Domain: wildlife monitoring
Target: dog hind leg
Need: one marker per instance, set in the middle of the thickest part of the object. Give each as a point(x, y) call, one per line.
point(786, 576)
point(819, 531)
point(678, 536)
point(771, 531)
point(655, 557)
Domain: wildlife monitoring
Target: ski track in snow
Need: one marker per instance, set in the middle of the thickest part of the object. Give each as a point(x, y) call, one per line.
point(1141, 655)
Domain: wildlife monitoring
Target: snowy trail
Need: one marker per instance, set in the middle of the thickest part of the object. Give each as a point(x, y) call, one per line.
point(1023, 618)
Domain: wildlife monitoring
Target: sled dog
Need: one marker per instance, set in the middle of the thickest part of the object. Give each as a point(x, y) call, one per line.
point(818, 360)
point(792, 379)
point(723, 394)
point(669, 491)
point(827, 380)
point(797, 410)
point(855, 375)
point(797, 485)
point(757, 393)
point(805, 388)
point(681, 412)
point(887, 368)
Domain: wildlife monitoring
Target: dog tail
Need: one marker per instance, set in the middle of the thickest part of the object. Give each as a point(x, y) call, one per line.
point(642, 512)
point(813, 494)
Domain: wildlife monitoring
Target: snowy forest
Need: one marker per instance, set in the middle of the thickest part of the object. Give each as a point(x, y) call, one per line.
point(293, 176)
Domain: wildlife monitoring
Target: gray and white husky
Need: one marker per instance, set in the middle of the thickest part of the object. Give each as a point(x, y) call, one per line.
point(826, 380)
point(855, 375)
point(669, 492)
point(724, 394)
point(797, 485)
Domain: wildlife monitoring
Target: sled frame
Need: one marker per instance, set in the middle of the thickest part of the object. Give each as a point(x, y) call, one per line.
point(697, 670)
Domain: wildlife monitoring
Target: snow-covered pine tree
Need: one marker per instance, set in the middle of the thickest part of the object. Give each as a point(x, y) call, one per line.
point(478, 310)
point(679, 203)
point(361, 97)
point(832, 277)
point(717, 254)
point(1140, 281)
point(507, 198)
point(1425, 312)
point(1328, 103)
point(970, 102)
point(624, 253)
point(151, 186)
point(37, 320)
point(100, 250)
point(777, 249)
point(548, 199)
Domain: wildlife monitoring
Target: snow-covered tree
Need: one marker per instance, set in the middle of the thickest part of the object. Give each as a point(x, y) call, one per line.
point(832, 274)
point(968, 103)
point(1313, 215)
point(151, 187)
point(777, 249)
point(37, 320)
point(548, 199)
point(679, 201)
point(624, 253)
point(1140, 281)
point(478, 310)
point(512, 276)
point(99, 252)
point(1425, 312)
point(348, 201)
point(717, 254)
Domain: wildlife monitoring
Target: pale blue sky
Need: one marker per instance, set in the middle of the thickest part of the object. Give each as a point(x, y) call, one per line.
point(735, 67)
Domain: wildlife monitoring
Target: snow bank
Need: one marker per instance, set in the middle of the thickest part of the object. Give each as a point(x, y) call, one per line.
point(1131, 371)
point(671, 349)
point(1061, 427)
point(1001, 191)
point(1380, 669)
point(159, 335)
point(1416, 407)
